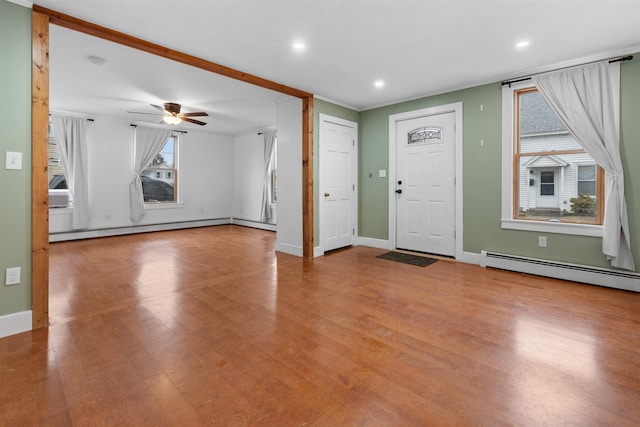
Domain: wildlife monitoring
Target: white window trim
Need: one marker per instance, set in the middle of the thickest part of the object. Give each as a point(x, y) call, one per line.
point(163, 205)
point(178, 204)
point(507, 221)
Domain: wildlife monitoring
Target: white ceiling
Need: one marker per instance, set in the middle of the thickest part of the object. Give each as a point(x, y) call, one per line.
point(418, 47)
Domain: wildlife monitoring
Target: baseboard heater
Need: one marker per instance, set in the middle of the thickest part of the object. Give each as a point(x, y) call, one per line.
point(558, 270)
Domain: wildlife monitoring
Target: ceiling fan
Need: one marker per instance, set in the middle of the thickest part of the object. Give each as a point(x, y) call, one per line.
point(173, 116)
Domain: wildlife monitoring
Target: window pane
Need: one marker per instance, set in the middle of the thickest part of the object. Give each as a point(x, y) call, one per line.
point(546, 177)
point(587, 187)
point(557, 179)
point(539, 126)
point(546, 189)
point(157, 186)
point(158, 181)
point(586, 173)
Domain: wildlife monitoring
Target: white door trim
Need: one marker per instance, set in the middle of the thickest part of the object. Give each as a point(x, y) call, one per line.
point(324, 119)
point(456, 108)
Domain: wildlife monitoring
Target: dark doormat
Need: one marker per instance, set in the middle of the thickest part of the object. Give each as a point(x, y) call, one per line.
point(420, 261)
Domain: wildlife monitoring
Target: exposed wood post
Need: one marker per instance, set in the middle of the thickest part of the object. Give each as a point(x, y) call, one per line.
point(42, 17)
point(39, 165)
point(104, 33)
point(307, 177)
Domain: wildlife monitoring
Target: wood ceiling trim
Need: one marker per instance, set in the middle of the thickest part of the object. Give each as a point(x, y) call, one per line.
point(42, 17)
point(86, 27)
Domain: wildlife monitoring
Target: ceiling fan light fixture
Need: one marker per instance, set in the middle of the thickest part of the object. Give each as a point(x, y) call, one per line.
point(171, 120)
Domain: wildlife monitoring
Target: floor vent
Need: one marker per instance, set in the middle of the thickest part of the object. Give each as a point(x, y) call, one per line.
point(577, 273)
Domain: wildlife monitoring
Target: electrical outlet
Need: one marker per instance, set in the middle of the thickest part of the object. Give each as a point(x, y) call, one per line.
point(12, 276)
point(542, 241)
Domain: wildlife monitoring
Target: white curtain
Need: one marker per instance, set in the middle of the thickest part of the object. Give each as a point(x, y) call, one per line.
point(267, 191)
point(148, 143)
point(71, 138)
point(587, 100)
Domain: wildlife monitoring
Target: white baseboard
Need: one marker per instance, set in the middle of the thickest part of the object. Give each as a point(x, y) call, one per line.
point(16, 323)
point(611, 278)
point(317, 251)
point(253, 224)
point(373, 243)
point(119, 231)
point(289, 249)
point(470, 258)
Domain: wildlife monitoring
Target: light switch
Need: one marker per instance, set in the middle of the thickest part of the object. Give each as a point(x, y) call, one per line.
point(14, 160)
point(382, 173)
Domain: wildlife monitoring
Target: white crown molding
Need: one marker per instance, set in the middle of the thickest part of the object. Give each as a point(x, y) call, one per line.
point(338, 103)
point(22, 3)
point(518, 74)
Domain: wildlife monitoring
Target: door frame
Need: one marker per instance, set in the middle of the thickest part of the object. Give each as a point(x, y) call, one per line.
point(455, 108)
point(41, 19)
point(323, 120)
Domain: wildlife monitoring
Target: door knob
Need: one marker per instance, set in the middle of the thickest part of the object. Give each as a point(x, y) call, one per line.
point(326, 194)
point(399, 191)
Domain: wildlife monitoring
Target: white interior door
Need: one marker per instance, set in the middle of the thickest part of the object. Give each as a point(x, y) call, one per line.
point(338, 197)
point(425, 184)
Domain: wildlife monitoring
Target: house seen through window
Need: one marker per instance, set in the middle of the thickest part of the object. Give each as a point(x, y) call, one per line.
point(159, 180)
point(554, 178)
point(54, 165)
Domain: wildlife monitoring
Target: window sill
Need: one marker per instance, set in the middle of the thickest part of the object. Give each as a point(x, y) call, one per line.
point(60, 211)
point(553, 227)
point(160, 205)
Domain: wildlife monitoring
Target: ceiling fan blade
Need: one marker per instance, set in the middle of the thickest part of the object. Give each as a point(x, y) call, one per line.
point(140, 112)
point(197, 122)
point(158, 107)
point(195, 114)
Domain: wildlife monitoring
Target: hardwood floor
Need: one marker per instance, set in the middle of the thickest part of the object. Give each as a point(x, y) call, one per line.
point(209, 326)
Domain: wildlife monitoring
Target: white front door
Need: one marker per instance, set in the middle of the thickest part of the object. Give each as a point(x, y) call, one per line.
point(338, 197)
point(547, 188)
point(425, 184)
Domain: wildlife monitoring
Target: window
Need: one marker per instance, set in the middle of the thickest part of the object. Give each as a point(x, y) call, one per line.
point(547, 176)
point(160, 178)
point(587, 180)
point(547, 183)
point(56, 174)
point(273, 172)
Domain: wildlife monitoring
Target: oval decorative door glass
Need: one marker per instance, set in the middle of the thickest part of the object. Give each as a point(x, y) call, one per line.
point(425, 136)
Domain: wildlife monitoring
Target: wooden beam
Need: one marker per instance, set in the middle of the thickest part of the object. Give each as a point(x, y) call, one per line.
point(307, 177)
point(39, 165)
point(76, 24)
point(42, 17)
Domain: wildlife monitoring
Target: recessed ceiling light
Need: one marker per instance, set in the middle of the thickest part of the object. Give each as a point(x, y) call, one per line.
point(522, 44)
point(378, 83)
point(298, 45)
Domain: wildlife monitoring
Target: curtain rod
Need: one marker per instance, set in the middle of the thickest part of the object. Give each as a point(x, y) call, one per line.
point(87, 119)
point(522, 79)
point(172, 130)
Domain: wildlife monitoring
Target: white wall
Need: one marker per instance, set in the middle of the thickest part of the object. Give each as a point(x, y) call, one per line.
point(205, 178)
point(248, 176)
point(289, 228)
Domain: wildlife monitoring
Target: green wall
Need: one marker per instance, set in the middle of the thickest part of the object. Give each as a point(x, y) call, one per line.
point(15, 135)
point(323, 107)
point(482, 174)
point(481, 170)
